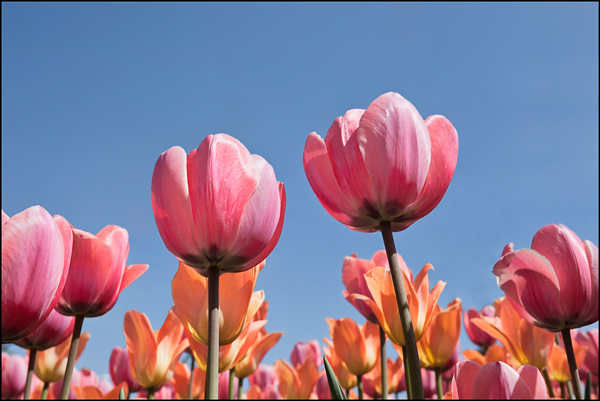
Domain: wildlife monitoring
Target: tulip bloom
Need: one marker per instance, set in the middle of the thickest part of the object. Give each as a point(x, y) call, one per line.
point(181, 382)
point(237, 303)
point(263, 384)
point(526, 343)
point(98, 273)
point(589, 340)
point(304, 350)
point(353, 272)
point(494, 353)
point(554, 284)
point(558, 366)
point(14, 374)
point(497, 381)
point(297, 383)
point(95, 393)
point(382, 164)
point(478, 336)
point(118, 367)
point(153, 354)
point(53, 331)
point(249, 363)
point(36, 251)
point(395, 373)
point(51, 363)
point(356, 347)
point(439, 340)
point(346, 379)
point(218, 206)
point(420, 301)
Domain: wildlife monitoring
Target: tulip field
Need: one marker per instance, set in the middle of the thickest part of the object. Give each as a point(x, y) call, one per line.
point(217, 271)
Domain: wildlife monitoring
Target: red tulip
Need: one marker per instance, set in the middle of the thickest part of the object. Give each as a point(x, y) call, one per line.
point(497, 380)
point(53, 331)
point(36, 250)
point(98, 273)
point(218, 206)
point(553, 285)
point(382, 164)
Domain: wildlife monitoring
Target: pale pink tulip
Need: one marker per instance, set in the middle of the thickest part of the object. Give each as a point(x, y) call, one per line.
point(36, 250)
point(219, 205)
point(98, 272)
point(382, 164)
point(478, 336)
point(497, 380)
point(53, 331)
point(306, 350)
point(553, 285)
point(14, 373)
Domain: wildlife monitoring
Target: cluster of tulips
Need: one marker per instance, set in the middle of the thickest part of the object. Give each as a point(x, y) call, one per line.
point(220, 212)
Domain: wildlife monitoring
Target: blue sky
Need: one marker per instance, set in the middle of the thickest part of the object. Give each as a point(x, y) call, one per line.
point(93, 93)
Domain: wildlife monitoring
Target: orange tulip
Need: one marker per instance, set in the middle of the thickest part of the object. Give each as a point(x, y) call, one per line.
point(94, 393)
point(356, 347)
point(230, 354)
point(494, 353)
point(297, 383)
point(347, 380)
point(50, 364)
point(237, 303)
point(181, 382)
point(439, 340)
point(526, 343)
point(420, 301)
point(558, 366)
point(153, 354)
point(395, 373)
point(263, 343)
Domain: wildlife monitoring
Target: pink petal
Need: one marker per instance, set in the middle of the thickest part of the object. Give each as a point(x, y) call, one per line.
point(535, 381)
point(497, 380)
point(462, 382)
point(590, 315)
point(397, 153)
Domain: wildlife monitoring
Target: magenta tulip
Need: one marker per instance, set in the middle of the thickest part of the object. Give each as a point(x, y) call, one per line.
point(14, 373)
point(478, 336)
point(120, 371)
point(53, 331)
point(36, 250)
point(382, 164)
point(98, 273)
point(218, 206)
point(497, 381)
point(553, 285)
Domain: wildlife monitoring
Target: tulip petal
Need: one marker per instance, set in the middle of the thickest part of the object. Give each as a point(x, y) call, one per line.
point(591, 313)
point(142, 346)
point(190, 306)
point(132, 273)
point(462, 382)
point(534, 380)
point(497, 380)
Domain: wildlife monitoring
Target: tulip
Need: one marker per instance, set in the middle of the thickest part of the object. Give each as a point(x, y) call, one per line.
point(356, 347)
point(497, 381)
point(36, 251)
point(14, 375)
point(478, 336)
point(165, 392)
point(238, 303)
point(249, 363)
point(153, 354)
point(429, 383)
point(263, 384)
point(51, 363)
point(494, 353)
point(95, 393)
point(181, 381)
point(120, 372)
point(590, 341)
point(304, 350)
point(346, 379)
point(558, 366)
point(372, 380)
point(296, 383)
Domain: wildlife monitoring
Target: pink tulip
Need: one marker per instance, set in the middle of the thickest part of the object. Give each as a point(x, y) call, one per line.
point(382, 164)
point(53, 331)
point(14, 373)
point(497, 380)
point(98, 273)
point(428, 377)
point(305, 350)
point(218, 206)
point(553, 285)
point(589, 340)
point(36, 250)
point(224, 385)
point(165, 392)
point(118, 366)
point(478, 336)
point(263, 377)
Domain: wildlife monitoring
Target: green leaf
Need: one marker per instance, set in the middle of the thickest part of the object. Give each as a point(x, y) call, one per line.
point(337, 392)
point(122, 393)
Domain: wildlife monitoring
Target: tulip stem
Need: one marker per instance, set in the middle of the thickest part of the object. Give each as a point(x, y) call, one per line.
point(566, 334)
point(27, 391)
point(548, 382)
point(411, 362)
point(191, 387)
point(406, 375)
point(588, 386)
point(438, 383)
point(150, 391)
point(383, 360)
point(44, 395)
point(359, 384)
point(66, 387)
point(231, 375)
point(212, 363)
point(240, 383)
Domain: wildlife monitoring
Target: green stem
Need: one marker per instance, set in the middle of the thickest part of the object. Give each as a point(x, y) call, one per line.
point(45, 391)
point(566, 334)
point(347, 393)
point(27, 391)
point(548, 382)
point(231, 376)
point(360, 386)
point(212, 363)
point(407, 375)
point(562, 391)
point(150, 391)
point(240, 382)
point(438, 383)
point(570, 390)
point(588, 386)
point(64, 393)
point(191, 385)
point(411, 363)
point(383, 360)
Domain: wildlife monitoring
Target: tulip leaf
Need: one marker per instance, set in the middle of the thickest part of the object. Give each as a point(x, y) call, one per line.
point(122, 393)
point(337, 393)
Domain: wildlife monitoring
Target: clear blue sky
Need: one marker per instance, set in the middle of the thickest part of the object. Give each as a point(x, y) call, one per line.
point(93, 93)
